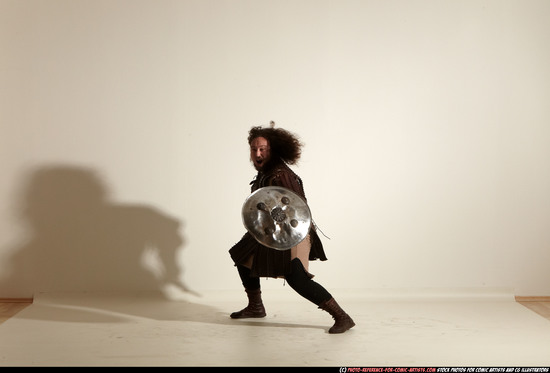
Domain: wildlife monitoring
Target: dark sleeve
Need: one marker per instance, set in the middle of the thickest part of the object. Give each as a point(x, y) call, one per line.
point(288, 179)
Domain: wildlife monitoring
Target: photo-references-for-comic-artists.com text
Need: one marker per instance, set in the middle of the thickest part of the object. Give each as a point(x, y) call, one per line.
point(445, 370)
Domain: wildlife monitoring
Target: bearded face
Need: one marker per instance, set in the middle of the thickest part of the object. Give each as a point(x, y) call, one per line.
point(260, 153)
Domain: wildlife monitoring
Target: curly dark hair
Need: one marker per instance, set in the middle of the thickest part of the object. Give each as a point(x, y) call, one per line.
point(283, 144)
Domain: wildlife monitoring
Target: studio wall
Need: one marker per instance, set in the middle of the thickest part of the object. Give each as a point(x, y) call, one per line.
point(125, 163)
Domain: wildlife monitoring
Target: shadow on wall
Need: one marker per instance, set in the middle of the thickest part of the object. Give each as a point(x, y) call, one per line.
point(80, 241)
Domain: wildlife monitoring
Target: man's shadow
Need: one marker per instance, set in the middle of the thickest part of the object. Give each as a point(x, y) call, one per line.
point(81, 243)
point(77, 240)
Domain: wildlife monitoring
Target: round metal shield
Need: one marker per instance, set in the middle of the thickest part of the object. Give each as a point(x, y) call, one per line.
point(276, 217)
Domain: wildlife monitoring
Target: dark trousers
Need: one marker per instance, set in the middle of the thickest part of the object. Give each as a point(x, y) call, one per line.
point(298, 280)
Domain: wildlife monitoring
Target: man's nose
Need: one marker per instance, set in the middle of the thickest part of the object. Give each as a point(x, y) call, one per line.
point(258, 153)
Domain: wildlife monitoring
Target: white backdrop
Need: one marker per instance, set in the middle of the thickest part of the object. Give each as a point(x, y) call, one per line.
point(124, 156)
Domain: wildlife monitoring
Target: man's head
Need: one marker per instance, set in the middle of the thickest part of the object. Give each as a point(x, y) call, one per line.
point(272, 145)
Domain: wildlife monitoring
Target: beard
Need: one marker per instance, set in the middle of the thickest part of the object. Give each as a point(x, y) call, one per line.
point(265, 165)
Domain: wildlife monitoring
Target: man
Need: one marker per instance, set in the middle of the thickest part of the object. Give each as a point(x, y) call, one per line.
point(271, 151)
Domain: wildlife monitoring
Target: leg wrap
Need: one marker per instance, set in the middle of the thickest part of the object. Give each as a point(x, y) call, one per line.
point(249, 283)
point(299, 280)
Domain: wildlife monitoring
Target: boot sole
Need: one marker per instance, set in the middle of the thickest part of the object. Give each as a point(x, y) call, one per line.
point(247, 317)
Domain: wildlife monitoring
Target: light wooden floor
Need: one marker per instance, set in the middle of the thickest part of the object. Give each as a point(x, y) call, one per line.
point(540, 305)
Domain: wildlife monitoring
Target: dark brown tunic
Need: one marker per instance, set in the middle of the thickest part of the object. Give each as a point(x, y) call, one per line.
point(269, 262)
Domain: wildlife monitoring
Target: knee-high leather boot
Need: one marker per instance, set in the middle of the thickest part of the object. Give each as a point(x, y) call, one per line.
point(255, 308)
point(342, 320)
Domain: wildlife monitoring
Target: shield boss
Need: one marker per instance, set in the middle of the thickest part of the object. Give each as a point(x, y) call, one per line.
point(276, 217)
